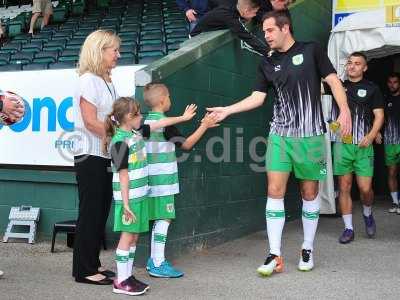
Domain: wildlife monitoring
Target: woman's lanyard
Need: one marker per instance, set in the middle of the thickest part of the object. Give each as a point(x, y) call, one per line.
point(113, 95)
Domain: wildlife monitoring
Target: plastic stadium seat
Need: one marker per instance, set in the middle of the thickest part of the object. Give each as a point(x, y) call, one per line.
point(152, 35)
point(128, 38)
point(22, 38)
point(76, 41)
point(57, 45)
point(160, 49)
point(176, 40)
point(129, 28)
point(175, 24)
point(33, 46)
point(68, 58)
point(83, 32)
point(63, 65)
point(77, 8)
point(35, 66)
point(152, 26)
point(46, 56)
point(6, 68)
point(109, 27)
point(132, 48)
point(173, 47)
point(148, 59)
point(70, 52)
point(63, 34)
point(12, 46)
point(177, 33)
point(5, 57)
point(59, 14)
point(131, 20)
point(22, 58)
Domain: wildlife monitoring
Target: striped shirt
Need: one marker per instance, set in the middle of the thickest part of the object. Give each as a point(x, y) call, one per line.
point(102, 95)
point(362, 97)
point(133, 157)
point(163, 167)
point(392, 120)
point(295, 76)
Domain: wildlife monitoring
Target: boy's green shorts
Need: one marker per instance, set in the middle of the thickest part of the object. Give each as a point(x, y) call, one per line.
point(306, 156)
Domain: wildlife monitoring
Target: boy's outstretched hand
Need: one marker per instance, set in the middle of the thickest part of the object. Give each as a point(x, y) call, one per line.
point(190, 112)
point(210, 120)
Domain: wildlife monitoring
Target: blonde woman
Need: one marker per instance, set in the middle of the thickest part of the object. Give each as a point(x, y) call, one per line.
point(93, 101)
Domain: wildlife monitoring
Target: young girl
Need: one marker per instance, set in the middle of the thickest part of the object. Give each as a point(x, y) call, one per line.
point(130, 183)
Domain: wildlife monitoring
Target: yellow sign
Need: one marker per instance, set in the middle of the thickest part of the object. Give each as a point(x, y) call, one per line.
point(342, 8)
point(359, 5)
point(393, 14)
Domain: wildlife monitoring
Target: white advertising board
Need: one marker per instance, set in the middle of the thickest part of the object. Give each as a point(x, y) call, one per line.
point(41, 136)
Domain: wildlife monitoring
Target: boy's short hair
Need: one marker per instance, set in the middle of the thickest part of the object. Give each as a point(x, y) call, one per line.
point(394, 75)
point(152, 93)
point(359, 54)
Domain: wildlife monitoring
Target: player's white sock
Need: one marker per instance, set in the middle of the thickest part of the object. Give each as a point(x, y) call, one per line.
point(121, 258)
point(310, 216)
point(275, 218)
point(367, 210)
point(132, 251)
point(159, 238)
point(348, 221)
point(394, 198)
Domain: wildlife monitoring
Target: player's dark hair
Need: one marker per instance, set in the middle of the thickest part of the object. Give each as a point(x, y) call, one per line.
point(394, 74)
point(254, 3)
point(281, 17)
point(359, 54)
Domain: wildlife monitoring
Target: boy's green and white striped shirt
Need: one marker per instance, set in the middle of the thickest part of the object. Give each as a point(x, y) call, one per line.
point(161, 157)
point(137, 166)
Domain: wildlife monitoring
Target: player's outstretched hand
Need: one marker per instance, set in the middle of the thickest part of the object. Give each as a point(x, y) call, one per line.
point(220, 113)
point(209, 120)
point(12, 109)
point(190, 112)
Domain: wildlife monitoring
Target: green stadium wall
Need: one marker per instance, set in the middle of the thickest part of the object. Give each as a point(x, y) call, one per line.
point(219, 201)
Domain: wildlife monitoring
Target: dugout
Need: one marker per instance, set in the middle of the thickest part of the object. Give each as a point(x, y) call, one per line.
point(377, 34)
point(220, 200)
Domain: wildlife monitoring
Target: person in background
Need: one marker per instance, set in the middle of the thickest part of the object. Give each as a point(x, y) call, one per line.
point(391, 137)
point(40, 7)
point(356, 156)
point(194, 10)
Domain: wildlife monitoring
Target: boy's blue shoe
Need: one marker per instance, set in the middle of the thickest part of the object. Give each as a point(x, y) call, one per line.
point(165, 270)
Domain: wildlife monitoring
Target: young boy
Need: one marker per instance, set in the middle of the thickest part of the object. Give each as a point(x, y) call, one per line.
point(163, 174)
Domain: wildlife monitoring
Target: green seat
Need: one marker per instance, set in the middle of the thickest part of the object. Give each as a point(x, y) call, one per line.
point(73, 47)
point(103, 3)
point(151, 35)
point(5, 58)
point(59, 14)
point(46, 57)
point(21, 58)
point(15, 27)
point(55, 45)
point(77, 8)
point(68, 58)
point(35, 66)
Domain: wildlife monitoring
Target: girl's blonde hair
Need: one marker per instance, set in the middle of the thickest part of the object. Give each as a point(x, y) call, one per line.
point(91, 55)
point(121, 107)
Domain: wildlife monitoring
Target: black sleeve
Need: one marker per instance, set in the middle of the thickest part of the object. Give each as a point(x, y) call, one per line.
point(173, 135)
point(324, 65)
point(377, 99)
point(224, 18)
point(145, 131)
point(237, 27)
point(262, 83)
point(120, 155)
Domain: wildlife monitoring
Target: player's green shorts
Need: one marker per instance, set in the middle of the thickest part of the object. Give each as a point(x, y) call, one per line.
point(141, 211)
point(349, 158)
point(161, 208)
point(305, 156)
point(392, 154)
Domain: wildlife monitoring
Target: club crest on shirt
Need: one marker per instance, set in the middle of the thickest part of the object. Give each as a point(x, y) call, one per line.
point(297, 59)
point(362, 93)
point(390, 104)
point(170, 207)
point(277, 68)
